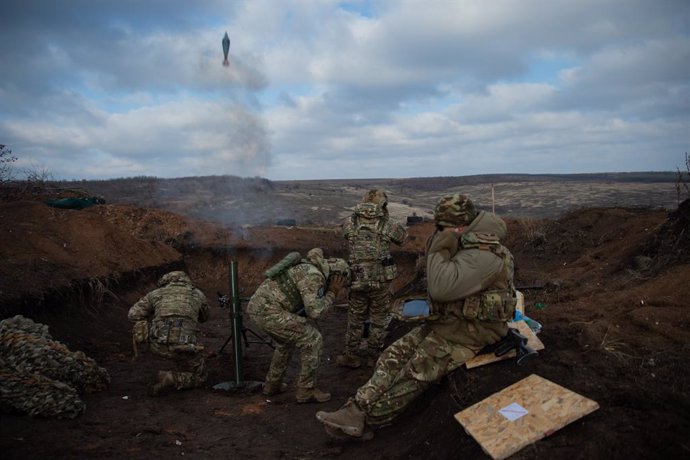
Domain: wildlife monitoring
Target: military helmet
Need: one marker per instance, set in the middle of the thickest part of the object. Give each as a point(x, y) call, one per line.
point(454, 210)
point(376, 196)
point(171, 277)
point(339, 267)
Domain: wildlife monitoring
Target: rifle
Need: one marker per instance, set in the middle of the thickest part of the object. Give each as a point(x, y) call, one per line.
point(512, 341)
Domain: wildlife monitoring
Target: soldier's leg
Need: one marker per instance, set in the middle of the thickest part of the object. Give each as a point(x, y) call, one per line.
point(396, 399)
point(379, 317)
point(279, 363)
point(190, 371)
point(164, 379)
point(284, 328)
point(390, 367)
point(356, 315)
point(387, 392)
point(431, 359)
point(187, 370)
point(310, 344)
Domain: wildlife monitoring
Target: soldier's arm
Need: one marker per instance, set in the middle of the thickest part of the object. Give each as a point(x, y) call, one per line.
point(397, 233)
point(317, 300)
point(460, 276)
point(141, 310)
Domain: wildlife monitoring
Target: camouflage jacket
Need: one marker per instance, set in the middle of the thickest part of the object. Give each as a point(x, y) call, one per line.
point(456, 274)
point(369, 233)
point(174, 311)
point(305, 287)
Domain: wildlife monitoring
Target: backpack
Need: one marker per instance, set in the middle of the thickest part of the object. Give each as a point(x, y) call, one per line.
point(279, 274)
point(286, 262)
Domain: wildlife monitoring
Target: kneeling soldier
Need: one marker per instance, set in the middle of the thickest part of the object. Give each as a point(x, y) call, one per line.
point(172, 314)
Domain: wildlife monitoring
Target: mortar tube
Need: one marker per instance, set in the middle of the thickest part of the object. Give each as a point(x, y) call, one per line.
point(236, 313)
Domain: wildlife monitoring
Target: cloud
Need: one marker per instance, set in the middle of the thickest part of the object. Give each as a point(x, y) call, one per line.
point(325, 89)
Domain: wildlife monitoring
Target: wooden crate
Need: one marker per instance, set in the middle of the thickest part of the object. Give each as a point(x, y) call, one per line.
point(522, 414)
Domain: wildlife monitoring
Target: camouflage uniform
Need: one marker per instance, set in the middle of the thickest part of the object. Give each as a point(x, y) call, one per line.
point(274, 308)
point(369, 233)
point(42, 377)
point(174, 311)
point(466, 272)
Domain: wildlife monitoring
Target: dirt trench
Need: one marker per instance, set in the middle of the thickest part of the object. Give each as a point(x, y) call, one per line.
point(614, 331)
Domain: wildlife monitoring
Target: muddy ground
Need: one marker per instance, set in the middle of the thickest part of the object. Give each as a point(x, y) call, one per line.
point(614, 284)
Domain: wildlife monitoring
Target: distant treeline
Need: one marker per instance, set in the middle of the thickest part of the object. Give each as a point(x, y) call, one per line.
point(150, 190)
point(445, 182)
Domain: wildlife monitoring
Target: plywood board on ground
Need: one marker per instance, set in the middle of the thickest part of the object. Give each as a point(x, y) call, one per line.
point(522, 414)
point(532, 342)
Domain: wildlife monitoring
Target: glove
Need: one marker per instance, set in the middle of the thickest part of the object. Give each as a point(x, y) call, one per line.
point(336, 283)
point(446, 240)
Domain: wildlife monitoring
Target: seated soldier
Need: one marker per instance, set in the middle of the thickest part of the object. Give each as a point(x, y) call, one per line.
point(472, 297)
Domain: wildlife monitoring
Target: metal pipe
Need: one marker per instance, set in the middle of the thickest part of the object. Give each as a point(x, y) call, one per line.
point(236, 314)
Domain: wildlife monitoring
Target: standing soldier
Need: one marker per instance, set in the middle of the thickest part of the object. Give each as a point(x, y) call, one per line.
point(472, 296)
point(173, 312)
point(369, 233)
point(292, 286)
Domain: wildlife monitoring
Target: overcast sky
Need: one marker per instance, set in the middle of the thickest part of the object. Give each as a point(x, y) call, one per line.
point(323, 89)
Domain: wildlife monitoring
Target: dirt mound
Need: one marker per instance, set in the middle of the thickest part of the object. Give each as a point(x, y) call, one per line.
point(616, 328)
point(46, 249)
point(671, 244)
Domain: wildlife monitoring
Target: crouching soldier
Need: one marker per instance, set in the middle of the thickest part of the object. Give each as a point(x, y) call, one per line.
point(171, 315)
point(293, 286)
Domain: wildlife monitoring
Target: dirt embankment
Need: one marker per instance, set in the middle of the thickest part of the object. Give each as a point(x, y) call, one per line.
point(612, 283)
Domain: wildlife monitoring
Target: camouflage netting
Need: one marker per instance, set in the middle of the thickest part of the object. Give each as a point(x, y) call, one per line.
point(40, 376)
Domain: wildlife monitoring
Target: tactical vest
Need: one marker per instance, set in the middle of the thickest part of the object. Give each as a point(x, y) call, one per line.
point(366, 238)
point(280, 273)
point(175, 322)
point(369, 247)
point(490, 304)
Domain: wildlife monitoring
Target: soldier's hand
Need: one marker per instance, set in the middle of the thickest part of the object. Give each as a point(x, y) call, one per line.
point(446, 240)
point(336, 283)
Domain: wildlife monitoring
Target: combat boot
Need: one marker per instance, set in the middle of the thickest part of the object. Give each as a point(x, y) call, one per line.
point(337, 434)
point(274, 388)
point(349, 419)
point(165, 382)
point(348, 361)
point(308, 395)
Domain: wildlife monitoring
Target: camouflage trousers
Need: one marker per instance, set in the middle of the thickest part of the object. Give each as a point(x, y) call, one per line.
point(188, 364)
point(290, 332)
point(405, 369)
point(374, 305)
